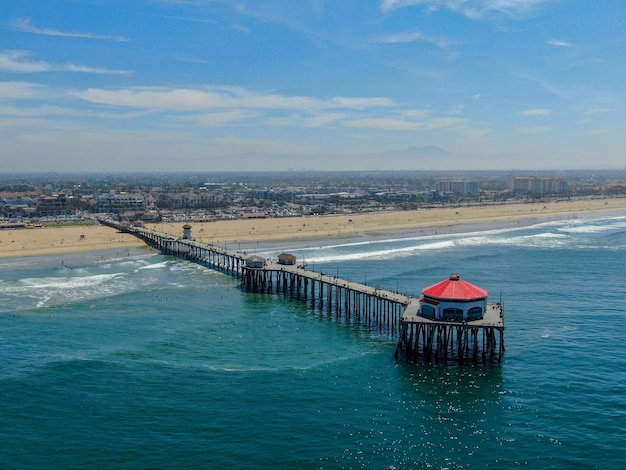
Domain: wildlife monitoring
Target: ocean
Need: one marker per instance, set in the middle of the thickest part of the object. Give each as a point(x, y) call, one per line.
point(130, 359)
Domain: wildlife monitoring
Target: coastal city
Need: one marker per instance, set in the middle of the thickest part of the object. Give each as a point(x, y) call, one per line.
point(51, 199)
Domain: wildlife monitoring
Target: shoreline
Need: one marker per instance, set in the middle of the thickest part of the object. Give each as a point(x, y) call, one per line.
point(273, 232)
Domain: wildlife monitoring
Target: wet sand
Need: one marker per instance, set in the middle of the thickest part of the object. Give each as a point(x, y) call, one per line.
point(302, 229)
point(69, 239)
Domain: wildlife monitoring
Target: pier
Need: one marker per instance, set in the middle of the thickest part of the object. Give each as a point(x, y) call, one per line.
point(451, 339)
point(386, 312)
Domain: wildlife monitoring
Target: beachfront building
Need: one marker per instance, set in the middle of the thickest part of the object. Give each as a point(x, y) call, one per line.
point(453, 299)
point(16, 207)
point(458, 188)
point(52, 206)
point(122, 202)
point(537, 185)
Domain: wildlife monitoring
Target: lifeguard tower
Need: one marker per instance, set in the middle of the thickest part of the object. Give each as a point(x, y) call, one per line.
point(186, 232)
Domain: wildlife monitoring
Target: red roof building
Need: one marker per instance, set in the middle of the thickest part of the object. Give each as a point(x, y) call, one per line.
point(455, 288)
point(453, 299)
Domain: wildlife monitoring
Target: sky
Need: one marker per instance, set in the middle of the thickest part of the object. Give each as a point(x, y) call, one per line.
point(265, 85)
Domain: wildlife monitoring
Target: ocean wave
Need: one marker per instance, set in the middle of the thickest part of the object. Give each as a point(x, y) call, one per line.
point(594, 228)
point(382, 241)
point(395, 248)
point(270, 367)
point(160, 265)
point(120, 260)
point(44, 292)
point(65, 283)
point(390, 253)
point(542, 240)
point(539, 240)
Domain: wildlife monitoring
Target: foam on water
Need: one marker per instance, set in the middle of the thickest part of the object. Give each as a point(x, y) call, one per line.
point(160, 265)
point(395, 250)
point(591, 228)
point(59, 290)
point(74, 283)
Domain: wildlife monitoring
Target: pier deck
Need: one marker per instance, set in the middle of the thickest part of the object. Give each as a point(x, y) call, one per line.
point(420, 336)
point(493, 317)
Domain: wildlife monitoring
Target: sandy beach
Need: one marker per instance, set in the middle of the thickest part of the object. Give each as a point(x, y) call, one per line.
point(69, 239)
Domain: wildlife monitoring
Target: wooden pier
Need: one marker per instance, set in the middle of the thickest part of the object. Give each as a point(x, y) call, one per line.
point(386, 312)
point(374, 308)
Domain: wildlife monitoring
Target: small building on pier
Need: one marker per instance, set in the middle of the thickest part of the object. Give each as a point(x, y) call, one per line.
point(287, 259)
point(255, 262)
point(453, 299)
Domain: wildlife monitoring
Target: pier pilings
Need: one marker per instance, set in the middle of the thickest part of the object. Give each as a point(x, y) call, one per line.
point(423, 338)
point(374, 308)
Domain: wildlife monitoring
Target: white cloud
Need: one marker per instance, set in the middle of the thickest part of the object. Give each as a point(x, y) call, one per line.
point(86, 69)
point(361, 103)
point(398, 124)
point(597, 110)
point(445, 122)
point(25, 26)
point(415, 36)
point(536, 130)
point(415, 113)
point(558, 43)
point(21, 62)
point(471, 8)
point(219, 118)
point(325, 119)
point(283, 120)
point(19, 90)
point(535, 112)
point(597, 132)
point(477, 133)
point(39, 111)
point(219, 97)
point(389, 124)
point(242, 28)
point(457, 110)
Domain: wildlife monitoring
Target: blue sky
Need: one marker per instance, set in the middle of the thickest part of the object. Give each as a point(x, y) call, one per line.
point(208, 85)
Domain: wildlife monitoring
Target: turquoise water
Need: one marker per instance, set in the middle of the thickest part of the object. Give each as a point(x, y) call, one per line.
point(135, 360)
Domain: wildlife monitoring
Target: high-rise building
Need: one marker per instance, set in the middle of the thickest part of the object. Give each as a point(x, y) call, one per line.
point(537, 185)
point(460, 188)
